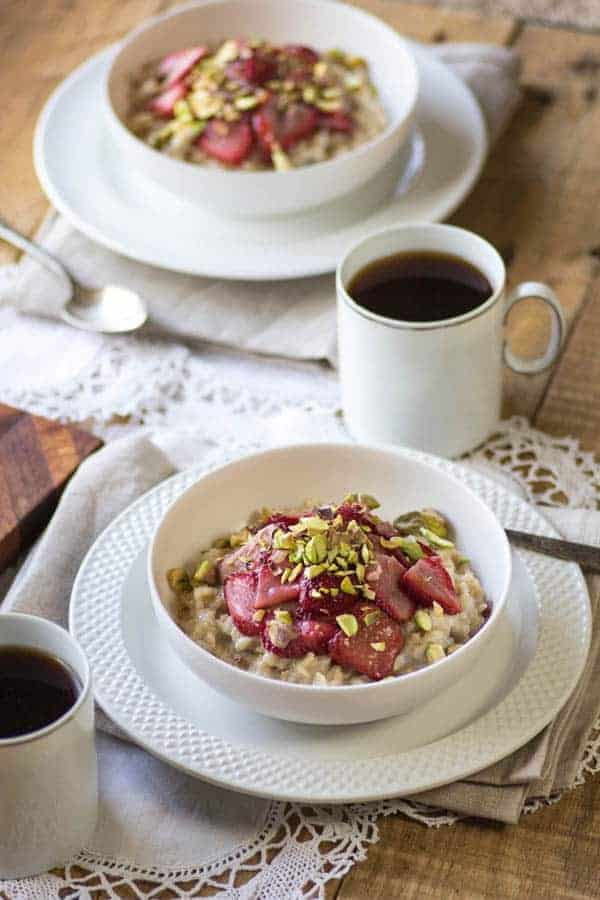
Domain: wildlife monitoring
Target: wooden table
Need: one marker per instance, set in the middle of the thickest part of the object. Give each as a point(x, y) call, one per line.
point(539, 202)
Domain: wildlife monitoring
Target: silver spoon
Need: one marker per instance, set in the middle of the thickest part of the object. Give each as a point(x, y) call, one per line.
point(112, 309)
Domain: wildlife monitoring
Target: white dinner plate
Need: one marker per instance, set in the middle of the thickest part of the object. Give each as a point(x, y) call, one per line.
point(504, 700)
point(84, 178)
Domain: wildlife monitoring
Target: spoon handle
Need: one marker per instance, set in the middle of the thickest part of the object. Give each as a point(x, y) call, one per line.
point(37, 252)
point(585, 555)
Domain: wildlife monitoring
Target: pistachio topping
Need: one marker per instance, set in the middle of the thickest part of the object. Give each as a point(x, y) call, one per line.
point(294, 573)
point(280, 159)
point(378, 646)
point(372, 617)
point(423, 620)
point(247, 102)
point(204, 571)
point(348, 624)
point(365, 553)
point(283, 540)
point(434, 652)
point(314, 523)
point(347, 586)
point(435, 539)
point(316, 549)
point(437, 609)
point(408, 545)
point(367, 499)
point(178, 580)
point(283, 616)
point(368, 593)
point(239, 538)
point(314, 571)
point(259, 615)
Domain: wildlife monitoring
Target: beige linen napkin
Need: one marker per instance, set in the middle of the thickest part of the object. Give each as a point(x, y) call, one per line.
point(294, 319)
point(112, 478)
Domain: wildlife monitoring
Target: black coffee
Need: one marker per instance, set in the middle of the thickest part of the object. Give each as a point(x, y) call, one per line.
point(420, 287)
point(36, 689)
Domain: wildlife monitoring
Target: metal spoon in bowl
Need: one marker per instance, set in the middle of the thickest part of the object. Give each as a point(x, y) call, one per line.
point(112, 309)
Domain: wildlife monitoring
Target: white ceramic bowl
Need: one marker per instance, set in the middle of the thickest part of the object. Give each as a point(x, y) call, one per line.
point(221, 502)
point(318, 23)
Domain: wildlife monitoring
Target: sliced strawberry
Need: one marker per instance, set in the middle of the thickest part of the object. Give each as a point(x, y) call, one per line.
point(251, 555)
point(336, 121)
point(389, 593)
point(254, 70)
point(240, 595)
point(283, 127)
point(304, 54)
point(271, 592)
point(357, 652)
point(229, 142)
point(164, 103)
point(177, 65)
point(326, 604)
point(281, 638)
point(429, 581)
point(349, 511)
point(315, 634)
point(282, 520)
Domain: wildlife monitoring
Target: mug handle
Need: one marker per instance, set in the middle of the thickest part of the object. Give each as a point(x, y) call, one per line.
point(557, 335)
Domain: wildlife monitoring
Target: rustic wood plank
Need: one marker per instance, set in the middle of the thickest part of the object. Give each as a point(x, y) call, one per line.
point(538, 199)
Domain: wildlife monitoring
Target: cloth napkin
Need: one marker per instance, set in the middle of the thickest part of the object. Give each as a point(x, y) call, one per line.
point(293, 318)
point(112, 478)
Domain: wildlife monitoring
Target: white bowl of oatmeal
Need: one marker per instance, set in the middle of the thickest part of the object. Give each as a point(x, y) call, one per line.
point(303, 125)
point(281, 586)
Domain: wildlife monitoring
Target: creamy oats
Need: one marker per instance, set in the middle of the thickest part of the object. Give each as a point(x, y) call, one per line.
point(331, 595)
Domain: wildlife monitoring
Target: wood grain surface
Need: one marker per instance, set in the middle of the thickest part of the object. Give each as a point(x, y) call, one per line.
point(539, 201)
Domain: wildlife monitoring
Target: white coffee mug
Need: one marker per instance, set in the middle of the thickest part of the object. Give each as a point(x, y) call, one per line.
point(435, 386)
point(48, 778)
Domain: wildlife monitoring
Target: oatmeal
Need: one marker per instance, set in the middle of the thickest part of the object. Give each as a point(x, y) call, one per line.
point(254, 105)
point(331, 595)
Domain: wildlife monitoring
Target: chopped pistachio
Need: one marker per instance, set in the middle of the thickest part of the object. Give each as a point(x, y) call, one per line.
point(334, 591)
point(159, 138)
point(340, 561)
point(378, 646)
point(314, 523)
point(410, 547)
point(294, 573)
point(245, 103)
point(367, 499)
point(462, 560)
point(315, 594)
point(434, 521)
point(435, 539)
point(353, 82)
point(179, 580)
point(227, 52)
point(320, 70)
point(204, 572)
point(182, 111)
point(364, 552)
point(283, 616)
point(328, 106)
point(283, 540)
point(316, 549)
point(280, 159)
point(259, 615)
point(437, 609)
point(338, 522)
point(423, 620)
point(368, 593)
point(434, 652)
point(332, 93)
point(360, 571)
point(348, 624)
point(309, 93)
point(372, 617)
point(314, 571)
point(451, 648)
point(238, 538)
point(285, 575)
point(347, 586)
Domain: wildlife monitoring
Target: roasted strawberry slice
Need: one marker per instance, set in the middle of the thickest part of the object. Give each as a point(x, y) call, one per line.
point(281, 637)
point(271, 592)
point(282, 520)
point(336, 121)
point(429, 581)
point(164, 103)
point(390, 595)
point(300, 52)
point(229, 142)
point(316, 597)
point(315, 634)
point(254, 70)
point(240, 596)
point(177, 65)
point(372, 650)
point(283, 127)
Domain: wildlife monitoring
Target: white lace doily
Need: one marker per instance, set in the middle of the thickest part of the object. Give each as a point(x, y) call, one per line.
point(230, 402)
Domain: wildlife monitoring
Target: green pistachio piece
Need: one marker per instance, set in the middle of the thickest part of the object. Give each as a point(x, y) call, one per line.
point(259, 615)
point(283, 616)
point(204, 572)
point(178, 580)
point(434, 539)
point(316, 549)
point(294, 573)
point(309, 93)
point(437, 609)
point(346, 586)
point(314, 523)
point(434, 652)
point(328, 106)
point(280, 159)
point(283, 540)
point(285, 575)
point(182, 111)
point(245, 103)
point(423, 620)
point(372, 617)
point(338, 522)
point(360, 571)
point(368, 593)
point(320, 70)
point(227, 52)
point(367, 499)
point(364, 552)
point(462, 560)
point(353, 82)
point(410, 547)
point(434, 521)
point(348, 624)
point(314, 571)
point(238, 538)
point(378, 646)
point(334, 591)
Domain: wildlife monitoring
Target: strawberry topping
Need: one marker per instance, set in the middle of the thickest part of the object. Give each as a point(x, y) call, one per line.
point(429, 581)
point(302, 53)
point(164, 103)
point(254, 70)
point(373, 649)
point(240, 595)
point(271, 592)
point(229, 142)
point(336, 121)
point(315, 634)
point(281, 638)
point(177, 65)
point(390, 595)
point(284, 127)
point(324, 604)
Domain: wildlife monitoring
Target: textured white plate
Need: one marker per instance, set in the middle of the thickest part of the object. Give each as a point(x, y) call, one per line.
point(504, 700)
point(85, 179)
